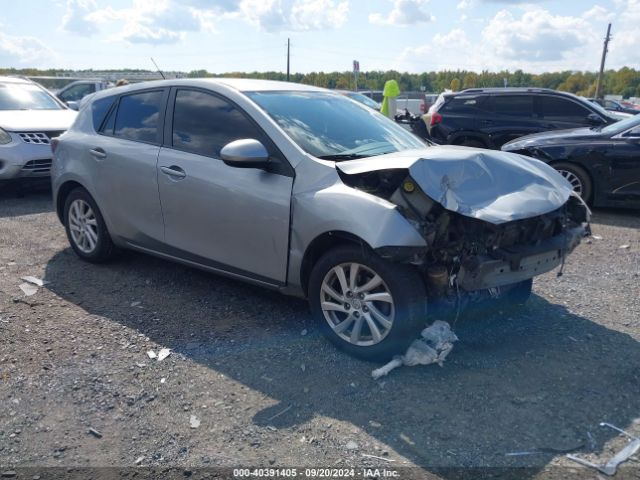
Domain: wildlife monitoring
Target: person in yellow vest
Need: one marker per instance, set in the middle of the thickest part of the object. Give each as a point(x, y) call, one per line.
point(390, 94)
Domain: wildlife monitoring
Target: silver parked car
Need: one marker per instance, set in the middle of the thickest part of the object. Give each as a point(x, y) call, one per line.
point(29, 118)
point(301, 190)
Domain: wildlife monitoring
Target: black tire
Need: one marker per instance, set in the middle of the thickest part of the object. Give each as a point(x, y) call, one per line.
point(580, 175)
point(104, 249)
point(403, 283)
point(470, 142)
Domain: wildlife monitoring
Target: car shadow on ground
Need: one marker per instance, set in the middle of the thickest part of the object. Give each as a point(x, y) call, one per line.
point(539, 378)
point(25, 198)
point(617, 217)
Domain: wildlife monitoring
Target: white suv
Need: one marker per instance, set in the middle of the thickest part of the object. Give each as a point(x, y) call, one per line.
point(29, 118)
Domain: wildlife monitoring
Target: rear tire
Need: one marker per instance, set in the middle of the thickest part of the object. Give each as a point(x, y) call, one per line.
point(470, 142)
point(86, 230)
point(382, 302)
point(577, 177)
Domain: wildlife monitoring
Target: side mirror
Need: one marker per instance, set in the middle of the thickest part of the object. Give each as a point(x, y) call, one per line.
point(245, 153)
point(73, 105)
point(595, 119)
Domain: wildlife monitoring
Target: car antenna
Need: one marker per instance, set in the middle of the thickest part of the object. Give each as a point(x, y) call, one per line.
point(158, 68)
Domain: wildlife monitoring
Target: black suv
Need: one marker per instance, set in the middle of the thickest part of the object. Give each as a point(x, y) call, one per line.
point(491, 117)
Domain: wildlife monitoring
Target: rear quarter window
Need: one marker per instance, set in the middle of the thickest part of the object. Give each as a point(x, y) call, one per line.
point(99, 110)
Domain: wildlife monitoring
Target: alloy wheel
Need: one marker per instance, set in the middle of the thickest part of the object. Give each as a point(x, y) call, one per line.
point(574, 180)
point(357, 304)
point(83, 226)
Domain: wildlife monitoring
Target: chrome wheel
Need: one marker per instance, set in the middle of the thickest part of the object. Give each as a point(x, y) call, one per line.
point(83, 226)
point(574, 180)
point(357, 304)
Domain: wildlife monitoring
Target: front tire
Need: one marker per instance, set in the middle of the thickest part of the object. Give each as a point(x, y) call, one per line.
point(367, 306)
point(86, 230)
point(577, 177)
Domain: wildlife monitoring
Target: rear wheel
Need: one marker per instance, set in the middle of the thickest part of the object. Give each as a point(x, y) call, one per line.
point(369, 307)
point(577, 177)
point(470, 142)
point(86, 230)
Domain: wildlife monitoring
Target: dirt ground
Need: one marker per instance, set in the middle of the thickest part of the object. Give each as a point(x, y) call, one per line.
point(268, 391)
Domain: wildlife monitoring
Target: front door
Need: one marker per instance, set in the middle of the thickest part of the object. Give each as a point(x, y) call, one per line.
point(230, 218)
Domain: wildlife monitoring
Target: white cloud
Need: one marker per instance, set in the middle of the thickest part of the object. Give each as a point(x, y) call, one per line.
point(75, 17)
point(24, 50)
point(536, 36)
point(404, 12)
point(295, 15)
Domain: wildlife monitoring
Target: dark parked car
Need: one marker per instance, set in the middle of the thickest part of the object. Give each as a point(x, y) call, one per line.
point(602, 164)
point(615, 106)
point(489, 118)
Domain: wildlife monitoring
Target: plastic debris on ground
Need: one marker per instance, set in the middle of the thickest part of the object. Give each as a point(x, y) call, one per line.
point(34, 280)
point(611, 466)
point(164, 353)
point(194, 422)
point(151, 354)
point(28, 289)
point(434, 346)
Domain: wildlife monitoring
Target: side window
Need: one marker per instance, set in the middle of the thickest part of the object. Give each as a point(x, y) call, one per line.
point(138, 117)
point(204, 123)
point(555, 108)
point(463, 105)
point(77, 92)
point(99, 110)
point(513, 105)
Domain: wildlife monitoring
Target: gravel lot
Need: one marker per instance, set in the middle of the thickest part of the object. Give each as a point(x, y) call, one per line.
point(268, 390)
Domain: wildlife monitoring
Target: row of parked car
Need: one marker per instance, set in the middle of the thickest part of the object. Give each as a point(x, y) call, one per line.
point(597, 150)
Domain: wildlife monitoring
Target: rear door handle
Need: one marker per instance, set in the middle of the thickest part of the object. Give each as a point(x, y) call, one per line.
point(98, 153)
point(173, 171)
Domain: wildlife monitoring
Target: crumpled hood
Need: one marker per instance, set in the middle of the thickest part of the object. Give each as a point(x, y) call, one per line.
point(489, 185)
point(36, 120)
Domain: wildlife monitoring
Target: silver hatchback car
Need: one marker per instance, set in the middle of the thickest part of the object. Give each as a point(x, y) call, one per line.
point(305, 191)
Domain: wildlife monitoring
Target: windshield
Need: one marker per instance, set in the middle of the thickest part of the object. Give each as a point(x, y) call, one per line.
point(24, 96)
point(358, 97)
point(622, 125)
point(329, 126)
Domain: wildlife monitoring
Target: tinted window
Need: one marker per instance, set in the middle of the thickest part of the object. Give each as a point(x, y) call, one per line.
point(515, 105)
point(99, 110)
point(462, 105)
point(77, 92)
point(139, 116)
point(555, 107)
point(204, 123)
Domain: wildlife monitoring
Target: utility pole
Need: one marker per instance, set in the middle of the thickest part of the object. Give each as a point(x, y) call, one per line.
point(604, 58)
point(288, 56)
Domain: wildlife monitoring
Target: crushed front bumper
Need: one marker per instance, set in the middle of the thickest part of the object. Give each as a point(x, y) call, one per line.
point(513, 265)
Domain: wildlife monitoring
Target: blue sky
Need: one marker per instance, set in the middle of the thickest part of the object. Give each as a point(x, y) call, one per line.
point(326, 35)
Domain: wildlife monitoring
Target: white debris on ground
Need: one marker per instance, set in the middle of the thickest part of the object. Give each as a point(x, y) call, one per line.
point(434, 346)
point(194, 422)
point(164, 353)
point(34, 280)
point(28, 289)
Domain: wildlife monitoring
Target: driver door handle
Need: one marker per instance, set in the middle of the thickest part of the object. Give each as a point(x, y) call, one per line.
point(173, 171)
point(98, 153)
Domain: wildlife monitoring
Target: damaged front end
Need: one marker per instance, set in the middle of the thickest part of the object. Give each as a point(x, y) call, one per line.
point(477, 249)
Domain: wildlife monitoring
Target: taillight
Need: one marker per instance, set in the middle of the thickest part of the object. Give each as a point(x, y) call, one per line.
point(54, 144)
point(423, 107)
point(435, 118)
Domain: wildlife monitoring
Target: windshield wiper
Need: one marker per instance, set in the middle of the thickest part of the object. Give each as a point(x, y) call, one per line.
point(343, 156)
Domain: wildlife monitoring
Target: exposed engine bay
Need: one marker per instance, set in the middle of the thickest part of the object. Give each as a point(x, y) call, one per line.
point(472, 255)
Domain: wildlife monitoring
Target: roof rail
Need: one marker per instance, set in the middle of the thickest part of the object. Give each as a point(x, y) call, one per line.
point(506, 90)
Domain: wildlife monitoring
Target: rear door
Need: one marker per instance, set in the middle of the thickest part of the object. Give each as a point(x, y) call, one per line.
point(558, 113)
point(125, 154)
point(508, 117)
point(229, 218)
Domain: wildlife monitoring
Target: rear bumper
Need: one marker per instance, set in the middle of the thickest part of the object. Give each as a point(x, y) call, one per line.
point(516, 264)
